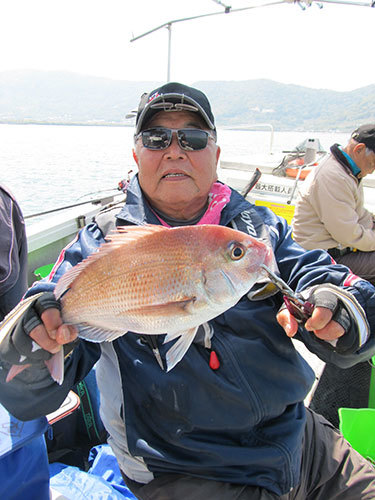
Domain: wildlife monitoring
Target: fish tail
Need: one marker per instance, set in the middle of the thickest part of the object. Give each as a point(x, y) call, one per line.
point(55, 366)
point(15, 370)
point(178, 350)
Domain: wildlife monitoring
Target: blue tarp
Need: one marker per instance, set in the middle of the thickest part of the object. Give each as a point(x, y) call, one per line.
point(24, 472)
point(103, 481)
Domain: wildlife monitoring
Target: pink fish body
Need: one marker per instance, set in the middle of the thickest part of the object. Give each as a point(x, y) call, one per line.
point(158, 280)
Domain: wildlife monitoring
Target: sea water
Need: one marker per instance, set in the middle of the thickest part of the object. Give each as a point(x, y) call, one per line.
point(51, 166)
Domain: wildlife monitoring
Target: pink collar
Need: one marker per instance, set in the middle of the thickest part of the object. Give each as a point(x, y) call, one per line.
point(218, 198)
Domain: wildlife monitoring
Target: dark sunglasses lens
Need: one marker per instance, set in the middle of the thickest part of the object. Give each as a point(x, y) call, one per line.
point(156, 138)
point(192, 139)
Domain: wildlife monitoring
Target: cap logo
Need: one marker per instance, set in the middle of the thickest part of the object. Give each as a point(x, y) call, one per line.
point(153, 96)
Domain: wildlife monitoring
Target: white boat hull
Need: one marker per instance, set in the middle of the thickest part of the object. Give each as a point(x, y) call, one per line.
point(46, 239)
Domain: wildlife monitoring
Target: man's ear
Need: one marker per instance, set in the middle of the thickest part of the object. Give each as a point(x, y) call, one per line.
point(359, 148)
point(218, 151)
point(135, 157)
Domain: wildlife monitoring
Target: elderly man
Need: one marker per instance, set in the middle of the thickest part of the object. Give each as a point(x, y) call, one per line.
point(330, 214)
point(236, 428)
point(329, 209)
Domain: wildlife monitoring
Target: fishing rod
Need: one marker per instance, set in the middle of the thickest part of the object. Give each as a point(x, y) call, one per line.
point(122, 186)
point(109, 190)
point(93, 202)
point(254, 179)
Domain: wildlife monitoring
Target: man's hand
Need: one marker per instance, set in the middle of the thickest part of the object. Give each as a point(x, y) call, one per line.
point(42, 323)
point(320, 323)
point(52, 333)
point(36, 321)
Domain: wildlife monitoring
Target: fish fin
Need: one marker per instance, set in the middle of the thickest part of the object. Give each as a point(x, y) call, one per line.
point(15, 314)
point(15, 370)
point(95, 334)
point(132, 233)
point(115, 239)
point(171, 336)
point(167, 307)
point(67, 279)
point(178, 350)
point(55, 366)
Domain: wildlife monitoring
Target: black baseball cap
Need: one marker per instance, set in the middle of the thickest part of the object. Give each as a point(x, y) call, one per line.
point(173, 96)
point(366, 135)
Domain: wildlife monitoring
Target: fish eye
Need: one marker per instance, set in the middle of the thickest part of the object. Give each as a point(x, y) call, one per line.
point(236, 251)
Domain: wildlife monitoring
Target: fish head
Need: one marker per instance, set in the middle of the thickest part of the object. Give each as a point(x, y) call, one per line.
point(236, 264)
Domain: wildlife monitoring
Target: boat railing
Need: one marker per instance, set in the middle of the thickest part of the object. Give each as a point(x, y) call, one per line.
point(50, 231)
point(267, 126)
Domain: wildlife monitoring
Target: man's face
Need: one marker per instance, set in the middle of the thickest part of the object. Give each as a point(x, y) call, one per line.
point(365, 162)
point(176, 181)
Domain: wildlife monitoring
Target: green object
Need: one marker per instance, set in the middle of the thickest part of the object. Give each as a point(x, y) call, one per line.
point(357, 425)
point(371, 395)
point(43, 271)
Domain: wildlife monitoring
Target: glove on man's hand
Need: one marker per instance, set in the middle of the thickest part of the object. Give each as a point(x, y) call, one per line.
point(17, 347)
point(346, 311)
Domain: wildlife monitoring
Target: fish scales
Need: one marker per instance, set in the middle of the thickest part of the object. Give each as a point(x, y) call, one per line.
point(151, 272)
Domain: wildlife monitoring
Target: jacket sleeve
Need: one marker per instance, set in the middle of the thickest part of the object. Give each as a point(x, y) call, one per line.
point(13, 253)
point(337, 209)
point(33, 393)
point(303, 269)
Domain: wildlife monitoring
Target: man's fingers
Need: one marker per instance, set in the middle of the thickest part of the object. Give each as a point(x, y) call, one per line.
point(288, 322)
point(321, 316)
point(332, 331)
point(40, 336)
point(63, 335)
point(52, 320)
point(66, 334)
point(320, 324)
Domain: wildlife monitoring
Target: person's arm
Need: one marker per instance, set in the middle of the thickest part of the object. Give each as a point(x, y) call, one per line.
point(340, 328)
point(337, 208)
point(13, 253)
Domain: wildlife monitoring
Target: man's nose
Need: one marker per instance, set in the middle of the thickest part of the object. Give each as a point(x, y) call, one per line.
point(174, 149)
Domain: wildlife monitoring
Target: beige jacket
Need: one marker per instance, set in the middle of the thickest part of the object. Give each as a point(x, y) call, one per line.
point(330, 212)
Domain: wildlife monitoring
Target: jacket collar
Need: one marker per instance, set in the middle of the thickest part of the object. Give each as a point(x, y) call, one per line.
point(341, 157)
point(137, 210)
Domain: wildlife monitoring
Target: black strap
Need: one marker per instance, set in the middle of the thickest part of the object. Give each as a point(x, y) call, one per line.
point(87, 411)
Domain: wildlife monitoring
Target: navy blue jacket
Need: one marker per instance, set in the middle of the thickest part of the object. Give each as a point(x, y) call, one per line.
point(242, 423)
point(13, 253)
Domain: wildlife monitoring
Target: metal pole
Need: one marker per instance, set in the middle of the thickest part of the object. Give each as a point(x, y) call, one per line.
point(271, 142)
point(169, 27)
point(229, 10)
point(268, 125)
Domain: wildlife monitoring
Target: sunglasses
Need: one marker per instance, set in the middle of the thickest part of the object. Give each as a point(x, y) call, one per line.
point(189, 139)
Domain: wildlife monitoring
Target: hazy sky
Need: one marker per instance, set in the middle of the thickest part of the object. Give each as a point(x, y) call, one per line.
point(330, 47)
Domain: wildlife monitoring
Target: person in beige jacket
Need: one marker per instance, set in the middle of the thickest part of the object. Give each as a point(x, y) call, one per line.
point(330, 212)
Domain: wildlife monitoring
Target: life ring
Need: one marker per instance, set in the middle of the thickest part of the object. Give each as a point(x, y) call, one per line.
point(293, 172)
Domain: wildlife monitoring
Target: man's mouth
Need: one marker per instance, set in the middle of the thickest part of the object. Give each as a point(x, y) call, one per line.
point(173, 175)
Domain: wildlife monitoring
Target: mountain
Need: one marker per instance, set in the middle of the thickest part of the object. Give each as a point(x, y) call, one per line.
point(69, 98)
point(290, 107)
